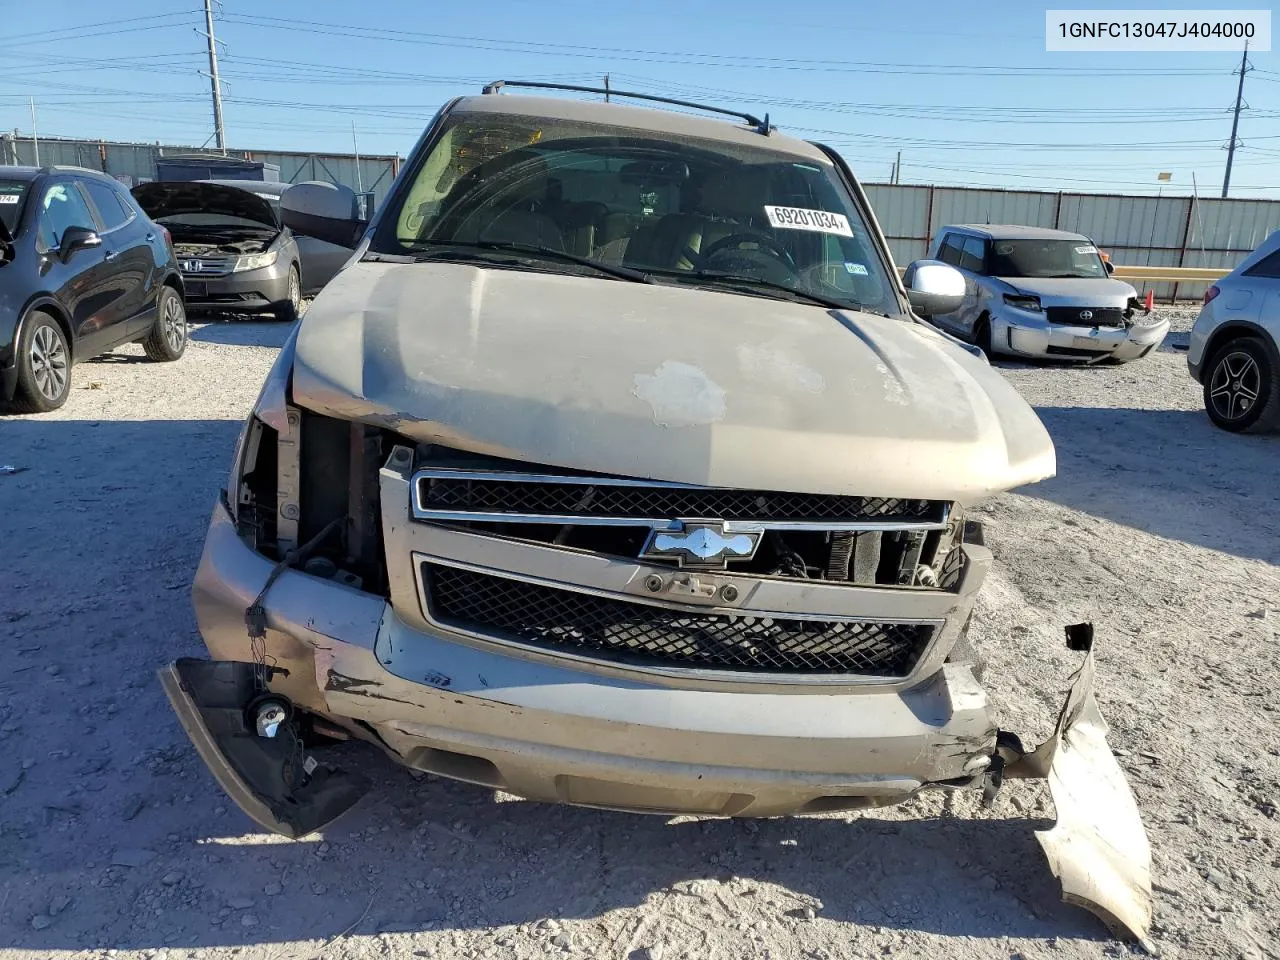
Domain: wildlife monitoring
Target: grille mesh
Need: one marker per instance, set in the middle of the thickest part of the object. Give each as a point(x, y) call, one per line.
point(638, 501)
point(619, 629)
point(1102, 316)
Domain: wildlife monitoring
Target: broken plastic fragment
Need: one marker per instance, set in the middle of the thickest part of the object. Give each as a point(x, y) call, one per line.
point(1098, 849)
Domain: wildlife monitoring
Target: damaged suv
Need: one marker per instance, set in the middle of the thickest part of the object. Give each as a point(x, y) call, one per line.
point(615, 469)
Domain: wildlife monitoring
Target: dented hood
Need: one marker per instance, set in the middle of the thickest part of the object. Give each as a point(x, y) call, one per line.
point(664, 382)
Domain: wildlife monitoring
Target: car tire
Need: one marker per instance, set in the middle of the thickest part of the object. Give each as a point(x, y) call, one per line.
point(167, 340)
point(982, 336)
point(44, 366)
point(1240, 368)
point(290, 309)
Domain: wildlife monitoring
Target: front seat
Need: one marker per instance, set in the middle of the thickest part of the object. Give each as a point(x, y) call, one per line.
point(523, 227)
point(727, 205)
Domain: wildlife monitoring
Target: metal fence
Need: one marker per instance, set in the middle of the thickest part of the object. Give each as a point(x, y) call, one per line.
point(136, 162)
point(1134, 231)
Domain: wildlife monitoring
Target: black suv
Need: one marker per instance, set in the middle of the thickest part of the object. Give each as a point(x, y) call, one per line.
point(82, 270)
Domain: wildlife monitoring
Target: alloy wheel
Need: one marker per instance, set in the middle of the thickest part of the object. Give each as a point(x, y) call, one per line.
point(295, 290)
point(48, 363)
point(173, 323)
point(1235, 385)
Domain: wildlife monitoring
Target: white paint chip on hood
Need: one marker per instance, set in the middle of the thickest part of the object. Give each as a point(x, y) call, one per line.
point(681, 395)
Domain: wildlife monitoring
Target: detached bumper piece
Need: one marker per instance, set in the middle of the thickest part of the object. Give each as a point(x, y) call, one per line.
point(263, 768)
point(1098, 849)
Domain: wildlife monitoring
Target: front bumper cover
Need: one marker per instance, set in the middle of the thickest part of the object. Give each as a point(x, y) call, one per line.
point(249, 290)
point(1026, 334)
point(1098, 848)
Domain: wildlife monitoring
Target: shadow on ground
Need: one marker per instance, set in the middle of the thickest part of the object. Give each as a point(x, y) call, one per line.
point(240, 333)
point(1115, 463)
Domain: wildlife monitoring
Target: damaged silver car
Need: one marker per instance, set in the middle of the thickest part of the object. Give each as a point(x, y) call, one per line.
point(615, 469)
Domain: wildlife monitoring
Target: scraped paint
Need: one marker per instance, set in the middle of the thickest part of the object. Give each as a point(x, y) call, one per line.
point(681, 395)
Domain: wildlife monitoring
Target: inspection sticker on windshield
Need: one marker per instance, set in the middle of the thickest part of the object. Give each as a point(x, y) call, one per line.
point(857, 269)
point(797, 218)
point(1085, 251)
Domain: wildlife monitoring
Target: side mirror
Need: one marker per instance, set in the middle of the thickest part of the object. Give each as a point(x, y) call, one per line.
point(326, 211)
point(933, 287)
point(1111, 267)
point(75, 239)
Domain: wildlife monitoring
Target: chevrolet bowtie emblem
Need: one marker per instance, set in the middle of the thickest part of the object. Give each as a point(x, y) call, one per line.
point(700, 544)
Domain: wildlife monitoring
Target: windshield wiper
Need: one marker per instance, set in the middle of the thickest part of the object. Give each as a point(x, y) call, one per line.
point(530, 249)
point(792, 293)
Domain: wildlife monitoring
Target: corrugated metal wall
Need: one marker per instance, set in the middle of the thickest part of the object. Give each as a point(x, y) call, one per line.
point(137, 161)
point(1134, 231)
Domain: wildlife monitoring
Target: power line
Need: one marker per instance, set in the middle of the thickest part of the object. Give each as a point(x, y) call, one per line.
point(59, 33)
point(691, 59)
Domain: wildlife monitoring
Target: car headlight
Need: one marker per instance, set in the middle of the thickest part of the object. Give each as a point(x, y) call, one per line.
point(255, 261)
point(1019, 302)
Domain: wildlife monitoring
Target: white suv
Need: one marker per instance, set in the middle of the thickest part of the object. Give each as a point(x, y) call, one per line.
point(1234, 351)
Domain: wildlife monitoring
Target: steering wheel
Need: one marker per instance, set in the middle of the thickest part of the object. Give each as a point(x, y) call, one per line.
point(767, 244)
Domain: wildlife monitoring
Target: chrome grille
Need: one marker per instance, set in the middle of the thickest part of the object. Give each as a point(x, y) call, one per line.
point(210, 267)
point(480, 495)
point(1070, 316)
point(612, 627)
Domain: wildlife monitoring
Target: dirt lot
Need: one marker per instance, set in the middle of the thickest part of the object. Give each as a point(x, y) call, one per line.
point(115, 841)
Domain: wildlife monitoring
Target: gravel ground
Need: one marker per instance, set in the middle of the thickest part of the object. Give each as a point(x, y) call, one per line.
point(115, 841)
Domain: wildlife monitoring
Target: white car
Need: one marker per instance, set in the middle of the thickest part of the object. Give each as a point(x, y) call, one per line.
point(1234, 352)
point(1034, 292)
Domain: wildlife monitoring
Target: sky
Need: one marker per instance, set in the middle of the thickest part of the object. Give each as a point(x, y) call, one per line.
point(966, 92)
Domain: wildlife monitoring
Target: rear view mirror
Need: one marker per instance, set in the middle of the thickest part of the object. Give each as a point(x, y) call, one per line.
point(934, 287)
point(326, 211)
point(75, 239)
point(1111, 267)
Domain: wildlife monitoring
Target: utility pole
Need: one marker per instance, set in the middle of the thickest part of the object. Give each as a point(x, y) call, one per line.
point(606, 88)
point(355, 148)
point(215, 85)
point(35, 137)
point(1235, 120)
point(897, 169)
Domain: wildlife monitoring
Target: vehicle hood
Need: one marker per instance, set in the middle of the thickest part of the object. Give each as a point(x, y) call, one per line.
point(175, 199)
point(1073, 292)
point(664, 382)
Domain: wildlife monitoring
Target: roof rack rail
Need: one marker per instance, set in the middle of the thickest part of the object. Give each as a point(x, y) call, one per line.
point(762, 126)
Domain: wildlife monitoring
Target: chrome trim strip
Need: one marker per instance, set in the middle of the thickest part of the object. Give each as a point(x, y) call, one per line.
point(452, 473)
point(691, 672)
point(427, 514)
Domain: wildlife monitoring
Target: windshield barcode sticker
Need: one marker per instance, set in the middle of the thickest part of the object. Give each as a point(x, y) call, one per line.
point(797, 218)
point(9, 197)
point(1085, 251)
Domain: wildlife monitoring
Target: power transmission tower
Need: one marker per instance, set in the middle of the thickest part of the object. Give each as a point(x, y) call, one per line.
point(215, 85)
point(1235, 120)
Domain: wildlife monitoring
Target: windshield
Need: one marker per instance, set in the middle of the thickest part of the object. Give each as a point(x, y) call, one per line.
point(708, 213)
point(12, 193)
point(1045, 258)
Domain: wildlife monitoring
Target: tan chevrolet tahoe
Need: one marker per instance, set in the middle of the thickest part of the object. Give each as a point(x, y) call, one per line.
point(614, 469)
